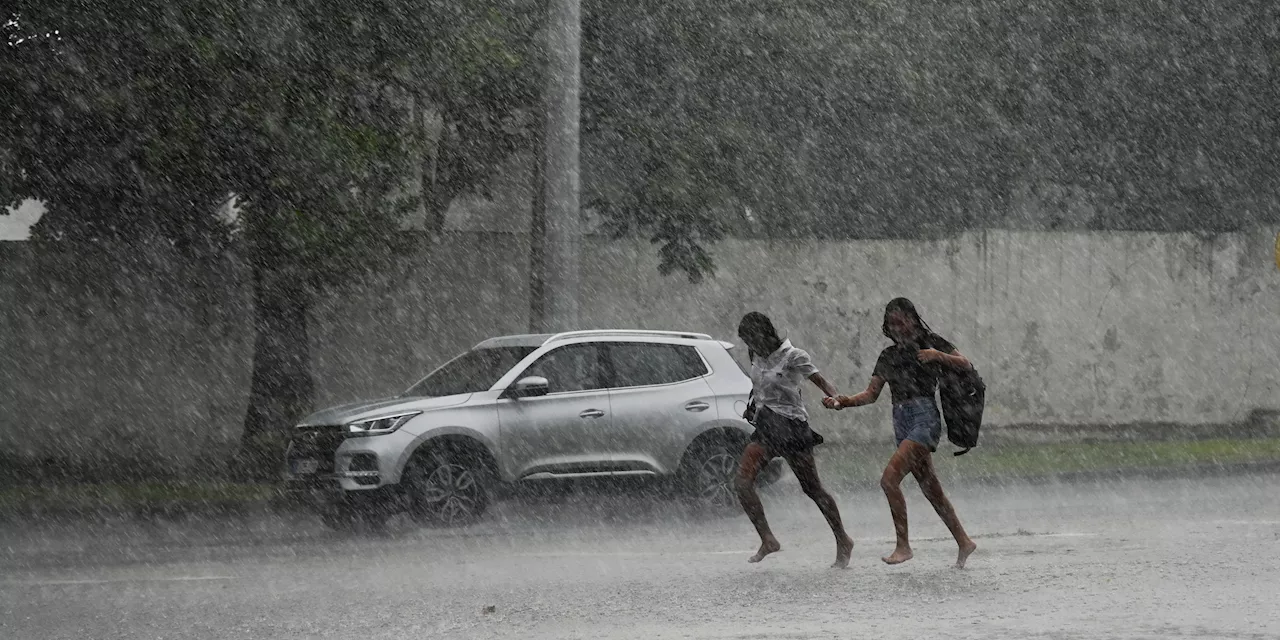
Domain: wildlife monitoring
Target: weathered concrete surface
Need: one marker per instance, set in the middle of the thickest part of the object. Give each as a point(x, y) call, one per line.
point(1066, 328)
point(106, 359)
point(101, 360)
point(1190, 558)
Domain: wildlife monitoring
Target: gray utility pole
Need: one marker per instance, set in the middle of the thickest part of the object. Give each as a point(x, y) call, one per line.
point(561, 179)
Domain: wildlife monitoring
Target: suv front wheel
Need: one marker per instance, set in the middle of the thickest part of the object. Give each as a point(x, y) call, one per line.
point(446, 486)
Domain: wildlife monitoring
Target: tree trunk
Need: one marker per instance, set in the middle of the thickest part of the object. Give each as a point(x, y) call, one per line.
point(436, 186)
point(281, 390)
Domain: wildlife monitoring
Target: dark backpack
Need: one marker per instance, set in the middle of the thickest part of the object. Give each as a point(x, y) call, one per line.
point(963, 395)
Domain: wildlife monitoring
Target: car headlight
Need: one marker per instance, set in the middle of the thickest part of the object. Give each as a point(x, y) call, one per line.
point(379, 426)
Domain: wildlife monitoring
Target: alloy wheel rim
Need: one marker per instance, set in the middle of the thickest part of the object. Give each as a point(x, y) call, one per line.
point(450, 493)
point(715, 480)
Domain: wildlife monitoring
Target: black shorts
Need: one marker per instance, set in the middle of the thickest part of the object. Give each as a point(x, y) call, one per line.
point(783, 436)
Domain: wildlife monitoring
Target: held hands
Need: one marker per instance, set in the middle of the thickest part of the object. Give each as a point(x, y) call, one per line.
point(834, 404)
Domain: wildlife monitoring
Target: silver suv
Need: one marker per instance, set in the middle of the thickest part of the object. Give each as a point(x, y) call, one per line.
point(521, 408)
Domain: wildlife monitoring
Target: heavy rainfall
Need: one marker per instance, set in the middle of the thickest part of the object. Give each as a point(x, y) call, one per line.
point(600, 319)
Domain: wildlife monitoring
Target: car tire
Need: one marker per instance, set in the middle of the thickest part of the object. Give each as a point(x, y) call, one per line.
point(446, 487)
point(708, 476)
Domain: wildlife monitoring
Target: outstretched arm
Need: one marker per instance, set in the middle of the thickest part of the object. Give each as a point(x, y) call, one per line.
point(828, 389)
point(869, 396)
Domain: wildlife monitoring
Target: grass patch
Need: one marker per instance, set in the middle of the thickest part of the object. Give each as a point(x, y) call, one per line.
point(134, 495)
point(846, 464)
point(864, 463)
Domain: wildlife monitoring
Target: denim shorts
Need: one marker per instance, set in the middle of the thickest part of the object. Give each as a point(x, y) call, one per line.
point(917, 420)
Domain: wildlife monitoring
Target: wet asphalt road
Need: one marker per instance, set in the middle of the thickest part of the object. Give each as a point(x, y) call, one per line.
point(1175, 558)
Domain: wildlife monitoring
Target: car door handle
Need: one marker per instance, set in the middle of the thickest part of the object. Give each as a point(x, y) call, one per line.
point(697, 406)
point(591, 413)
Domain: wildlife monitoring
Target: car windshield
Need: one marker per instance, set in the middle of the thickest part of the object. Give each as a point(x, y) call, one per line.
point(475, 370)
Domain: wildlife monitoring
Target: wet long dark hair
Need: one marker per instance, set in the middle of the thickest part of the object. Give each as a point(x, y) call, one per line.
point(907, 308)
point(757, 330)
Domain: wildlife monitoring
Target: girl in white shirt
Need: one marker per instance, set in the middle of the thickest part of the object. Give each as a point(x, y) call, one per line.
point(778, 370)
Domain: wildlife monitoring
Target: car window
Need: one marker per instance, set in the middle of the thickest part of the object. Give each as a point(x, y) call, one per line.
point(571, 368)
point(638, 364)
point(474, 371)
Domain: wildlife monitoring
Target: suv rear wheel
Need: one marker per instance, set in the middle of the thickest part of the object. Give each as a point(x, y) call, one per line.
point(710, 469)
point(446, 486)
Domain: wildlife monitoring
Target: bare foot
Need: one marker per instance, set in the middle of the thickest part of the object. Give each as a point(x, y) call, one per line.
point(966, 550)
point(766, 547)
point(844, 549)
point(899, 556)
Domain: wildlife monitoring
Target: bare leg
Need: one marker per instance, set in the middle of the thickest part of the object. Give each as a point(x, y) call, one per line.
point(806, 470)
point(753, 460)
point(903, 460)
point(926, 474)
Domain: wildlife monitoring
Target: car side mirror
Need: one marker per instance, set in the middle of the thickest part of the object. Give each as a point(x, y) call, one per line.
point(530, 387)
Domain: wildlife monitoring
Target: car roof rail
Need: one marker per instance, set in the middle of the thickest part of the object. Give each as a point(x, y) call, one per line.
point(639, 333)
point(516, 340)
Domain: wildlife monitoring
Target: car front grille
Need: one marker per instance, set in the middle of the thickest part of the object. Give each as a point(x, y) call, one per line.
point(316, 443)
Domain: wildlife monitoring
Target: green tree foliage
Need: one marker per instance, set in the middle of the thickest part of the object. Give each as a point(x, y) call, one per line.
point(134, 122)
point(890, 119)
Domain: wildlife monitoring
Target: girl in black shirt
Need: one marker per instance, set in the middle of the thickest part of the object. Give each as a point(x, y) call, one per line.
point(911, 367)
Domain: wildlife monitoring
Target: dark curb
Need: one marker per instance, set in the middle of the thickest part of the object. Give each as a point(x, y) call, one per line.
point(281, 505)
point(1189, 472)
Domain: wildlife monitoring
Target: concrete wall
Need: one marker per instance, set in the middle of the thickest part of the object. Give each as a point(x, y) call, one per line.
point(1065, 328)
point(112, 361)
point(101, 359)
